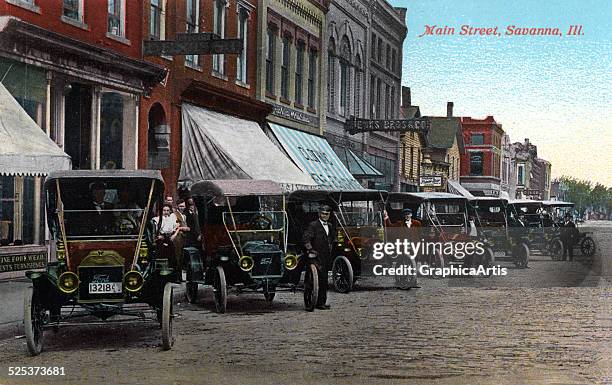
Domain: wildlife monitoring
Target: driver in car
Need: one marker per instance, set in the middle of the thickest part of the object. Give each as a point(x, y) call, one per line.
point(101, 218)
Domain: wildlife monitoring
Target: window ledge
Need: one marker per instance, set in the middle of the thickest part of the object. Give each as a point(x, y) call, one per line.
point(30, 7)
point(242, 84)
point(195, 67)
point(298, 106)
point(120, 39)
point(75, 23)
point(285, 101)
point(270, 95)
point(311, 110)
point(218, 75)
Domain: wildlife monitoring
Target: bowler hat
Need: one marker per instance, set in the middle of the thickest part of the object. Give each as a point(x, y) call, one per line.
point(324, 208)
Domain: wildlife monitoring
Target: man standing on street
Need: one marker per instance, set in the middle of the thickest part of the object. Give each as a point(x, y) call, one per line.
point(568, 236)
point(319, 240)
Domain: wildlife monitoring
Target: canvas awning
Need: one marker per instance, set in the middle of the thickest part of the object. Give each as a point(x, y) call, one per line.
point(455, 187)
point(315, 156)
point(25, 149)
point(220, 146)
point(357, 166)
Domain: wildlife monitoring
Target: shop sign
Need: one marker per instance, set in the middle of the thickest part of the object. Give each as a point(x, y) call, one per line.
point(25, 261)
point(298, 116)
point(355, 126)
point(430, 181)
point(191, 46)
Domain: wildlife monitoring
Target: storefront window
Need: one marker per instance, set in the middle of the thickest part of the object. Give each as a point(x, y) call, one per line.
point(21, 210)
point(476, 163)
point(117, 130)
point(28, 85)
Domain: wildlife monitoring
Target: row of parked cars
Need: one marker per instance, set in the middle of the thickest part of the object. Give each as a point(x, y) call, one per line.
point(108, 264)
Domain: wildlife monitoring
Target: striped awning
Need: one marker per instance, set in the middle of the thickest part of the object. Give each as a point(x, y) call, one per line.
point(315, 156)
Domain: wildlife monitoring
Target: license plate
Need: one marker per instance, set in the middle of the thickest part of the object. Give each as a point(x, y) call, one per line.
point(105, 288)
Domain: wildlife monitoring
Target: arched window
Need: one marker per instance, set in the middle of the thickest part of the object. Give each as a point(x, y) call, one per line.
point(158, 138)
point(358, 80)
point(345, 80)
point(331, 79)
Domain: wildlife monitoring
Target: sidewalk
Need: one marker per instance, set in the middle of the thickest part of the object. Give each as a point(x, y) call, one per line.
point(11, 313)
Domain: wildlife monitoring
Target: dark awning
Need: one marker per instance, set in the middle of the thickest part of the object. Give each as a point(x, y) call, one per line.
point(359, 167)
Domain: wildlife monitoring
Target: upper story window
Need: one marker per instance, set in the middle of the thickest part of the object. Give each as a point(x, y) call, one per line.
point(345, 85)
point(331, 77)
point(192, 26)
point(116, 17)
point(373, 51)
point(393, 60)
point(155, 22)
point(388, 57)
point(312, 76)
point(285, 67)
point(270, 64)
point(73, 9)
point(372, 97)
point(219, 30)
point(299, 72)
point(243, 25)
point(379, 50)
point(358, 80)
point(476, 163)
point(477, 139)
point(520, 174)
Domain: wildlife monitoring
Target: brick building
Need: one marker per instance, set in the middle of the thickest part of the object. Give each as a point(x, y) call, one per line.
point(481, 163)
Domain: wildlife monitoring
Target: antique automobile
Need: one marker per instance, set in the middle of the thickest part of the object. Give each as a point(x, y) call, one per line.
point(441, 217)
point(244, 223)
point(502, 243)
point(359, 223)
point(106, 263)
point(553, 216)
point(528, 220)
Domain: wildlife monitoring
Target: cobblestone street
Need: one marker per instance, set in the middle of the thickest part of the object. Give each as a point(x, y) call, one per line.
point(522, 328)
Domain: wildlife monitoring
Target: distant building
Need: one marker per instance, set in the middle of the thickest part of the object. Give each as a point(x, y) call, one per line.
point(532, 173)
point(481, 163)
point(411, 151)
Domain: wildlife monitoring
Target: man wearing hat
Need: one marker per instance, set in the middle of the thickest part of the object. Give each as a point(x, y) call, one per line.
point(406, 220)
point(319, 240)
point(101, 219)
point(568, 236)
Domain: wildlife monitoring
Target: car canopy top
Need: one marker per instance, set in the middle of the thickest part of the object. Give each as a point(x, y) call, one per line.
point(337, 196)
point(236, 188)
point(557, 204)
point(424, 196)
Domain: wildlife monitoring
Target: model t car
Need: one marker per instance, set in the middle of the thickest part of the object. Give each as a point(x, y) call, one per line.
point(534, 223)
point(553, 214)
point(245, 243)
point(502, 243)
point(438, 217)
point(100, 223)
point(359, 223)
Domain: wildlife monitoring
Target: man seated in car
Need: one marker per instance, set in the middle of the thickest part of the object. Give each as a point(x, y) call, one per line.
point(406, 220)
point(100, 219)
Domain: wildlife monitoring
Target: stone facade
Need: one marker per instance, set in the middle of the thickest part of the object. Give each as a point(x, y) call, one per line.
point(532, 173)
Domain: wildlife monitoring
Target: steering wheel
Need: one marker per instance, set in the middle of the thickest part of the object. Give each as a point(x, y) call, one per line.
point(125, 225)
point(261, 222)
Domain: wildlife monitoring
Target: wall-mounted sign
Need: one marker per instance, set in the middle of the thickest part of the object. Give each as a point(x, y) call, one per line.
point(430, 181)
point(355, 126)
point(192, 44)
point(25, 261)
point(298, 116)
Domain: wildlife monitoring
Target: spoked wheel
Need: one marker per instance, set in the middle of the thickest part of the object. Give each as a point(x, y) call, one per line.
point(587, 247)
point(220, 290)
point(407, 281)
point(166, 317)
point(436, 261)
point(269, 296)
point(191, 291)
point(521, 256)
point(342, 274)
point(487, 261)
point(311, 287)
point(556, 250)
point(33, 320)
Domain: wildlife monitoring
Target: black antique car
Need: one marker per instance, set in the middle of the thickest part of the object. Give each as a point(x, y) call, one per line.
point(529, 219)
point(244, 227)
point(358, 215)
point(441, 217)
point(106, 258)
point(503, 243)
point(553, 216)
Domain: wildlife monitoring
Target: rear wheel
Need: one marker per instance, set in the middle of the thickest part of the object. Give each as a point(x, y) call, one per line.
point(487, 261)
point(556, 249)
point(220, 290)
point(521, 256)
point(311, 287)
point(342, 274)
point(166, 318)
point(587, 247)
point(33, 321)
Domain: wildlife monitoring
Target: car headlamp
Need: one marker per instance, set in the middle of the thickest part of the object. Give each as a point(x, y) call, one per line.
point(246, 263)
point(291, 262)
point(132, 281)
point(68, 282)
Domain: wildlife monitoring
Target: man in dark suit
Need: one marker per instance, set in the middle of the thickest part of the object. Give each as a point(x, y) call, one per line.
point(568, 237)
point(100, 219)
point(319, 240)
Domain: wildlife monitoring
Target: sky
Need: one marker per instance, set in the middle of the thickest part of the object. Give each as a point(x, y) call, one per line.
point(554, 90)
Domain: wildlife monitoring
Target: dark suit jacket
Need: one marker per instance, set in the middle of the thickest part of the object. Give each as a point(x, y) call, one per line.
point(315, 238)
